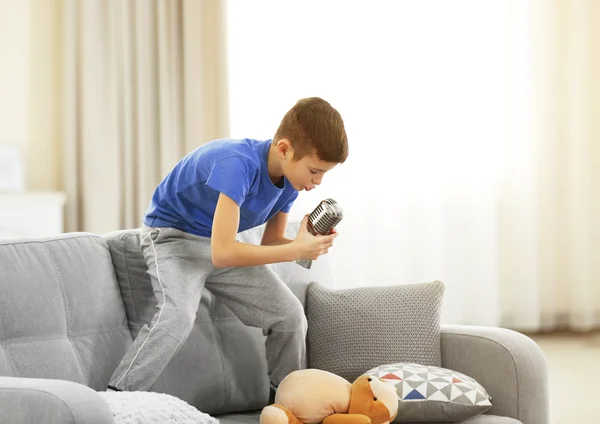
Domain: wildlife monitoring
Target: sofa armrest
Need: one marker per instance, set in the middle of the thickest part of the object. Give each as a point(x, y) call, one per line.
point(33, 400)
point(510, 366)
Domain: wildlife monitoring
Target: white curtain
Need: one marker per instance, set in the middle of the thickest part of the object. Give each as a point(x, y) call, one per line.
point(550, 207)
point(472, 156)
point(144, 85)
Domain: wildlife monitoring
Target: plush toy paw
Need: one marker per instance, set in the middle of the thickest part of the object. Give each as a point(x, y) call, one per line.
point(277, 414)
point(347, 419)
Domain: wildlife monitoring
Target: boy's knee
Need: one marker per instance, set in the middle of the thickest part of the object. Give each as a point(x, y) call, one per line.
point(304, 323)
point(293, 318)
point(181, 325)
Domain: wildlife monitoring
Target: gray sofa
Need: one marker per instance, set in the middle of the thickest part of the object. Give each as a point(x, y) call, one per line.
point(71, 305)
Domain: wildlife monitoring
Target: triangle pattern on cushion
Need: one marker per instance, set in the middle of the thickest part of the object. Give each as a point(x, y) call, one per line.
point(471, 396)
point(447, 391)
point(463, 387)
point(406, 389)
point(415, 382)
point(414, 377)
point(414, 395)
point(439, 384)
point(438, 396)
point(431, 389)
point(455, 393)
point(422, 389)
point(462, 399)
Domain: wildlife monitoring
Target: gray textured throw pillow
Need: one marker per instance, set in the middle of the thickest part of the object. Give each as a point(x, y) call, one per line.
point(351, 331)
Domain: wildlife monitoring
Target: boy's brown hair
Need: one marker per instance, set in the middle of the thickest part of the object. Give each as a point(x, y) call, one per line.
point(314, 126)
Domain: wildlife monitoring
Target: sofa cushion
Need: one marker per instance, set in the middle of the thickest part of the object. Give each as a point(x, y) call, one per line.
point(61, 312)
point(429, 394)
point(222, 366)
point(351, 331)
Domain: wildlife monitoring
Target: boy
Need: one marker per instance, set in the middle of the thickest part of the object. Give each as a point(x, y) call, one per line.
point(189, 240)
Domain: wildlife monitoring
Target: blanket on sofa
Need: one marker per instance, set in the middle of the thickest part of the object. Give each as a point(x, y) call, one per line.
point(153, 408)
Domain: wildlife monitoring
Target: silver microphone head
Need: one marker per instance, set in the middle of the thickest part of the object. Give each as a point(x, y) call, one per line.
point(321, 221)
point(325, 217)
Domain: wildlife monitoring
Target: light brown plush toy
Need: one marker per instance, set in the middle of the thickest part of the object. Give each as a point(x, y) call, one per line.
point(313, 396)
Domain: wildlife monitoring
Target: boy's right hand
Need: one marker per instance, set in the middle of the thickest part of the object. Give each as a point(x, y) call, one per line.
point(309, 247)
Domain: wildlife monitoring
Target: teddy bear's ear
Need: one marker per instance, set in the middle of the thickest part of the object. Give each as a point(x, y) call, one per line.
point(374, 398)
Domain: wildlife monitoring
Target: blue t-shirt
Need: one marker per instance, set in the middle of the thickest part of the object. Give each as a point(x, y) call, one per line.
point(187, 197)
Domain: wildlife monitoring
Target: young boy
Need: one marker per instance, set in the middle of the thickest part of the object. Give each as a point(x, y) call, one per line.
point(189, 239)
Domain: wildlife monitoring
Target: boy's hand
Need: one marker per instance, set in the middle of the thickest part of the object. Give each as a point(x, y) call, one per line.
point(309, 247)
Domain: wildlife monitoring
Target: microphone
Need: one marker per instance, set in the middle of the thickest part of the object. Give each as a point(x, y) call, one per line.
point(321, 221)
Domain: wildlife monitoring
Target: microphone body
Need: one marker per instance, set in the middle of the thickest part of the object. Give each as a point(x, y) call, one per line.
point(321, 221)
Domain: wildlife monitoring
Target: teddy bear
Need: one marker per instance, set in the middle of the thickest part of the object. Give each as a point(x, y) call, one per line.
point(313, 396)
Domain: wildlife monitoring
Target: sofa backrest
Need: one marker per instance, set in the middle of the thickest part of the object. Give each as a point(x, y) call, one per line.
point(61, 311)
point(222, 367)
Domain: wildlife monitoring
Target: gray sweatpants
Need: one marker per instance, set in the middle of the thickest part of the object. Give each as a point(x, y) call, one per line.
point(180, 266)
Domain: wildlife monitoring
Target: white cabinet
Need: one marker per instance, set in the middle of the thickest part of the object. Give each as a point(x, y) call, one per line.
point(31, 214)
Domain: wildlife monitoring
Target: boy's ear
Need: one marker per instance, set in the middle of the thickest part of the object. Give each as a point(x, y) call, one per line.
point(284, 147)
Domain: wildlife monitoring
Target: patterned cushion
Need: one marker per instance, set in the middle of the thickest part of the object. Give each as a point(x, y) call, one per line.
point(353, 330)
point(433, 394)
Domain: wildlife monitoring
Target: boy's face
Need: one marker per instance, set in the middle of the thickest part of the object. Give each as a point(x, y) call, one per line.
point(306, 173)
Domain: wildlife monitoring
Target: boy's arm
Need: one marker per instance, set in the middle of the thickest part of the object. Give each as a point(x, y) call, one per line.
point(227, 251)
point(275, 230)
